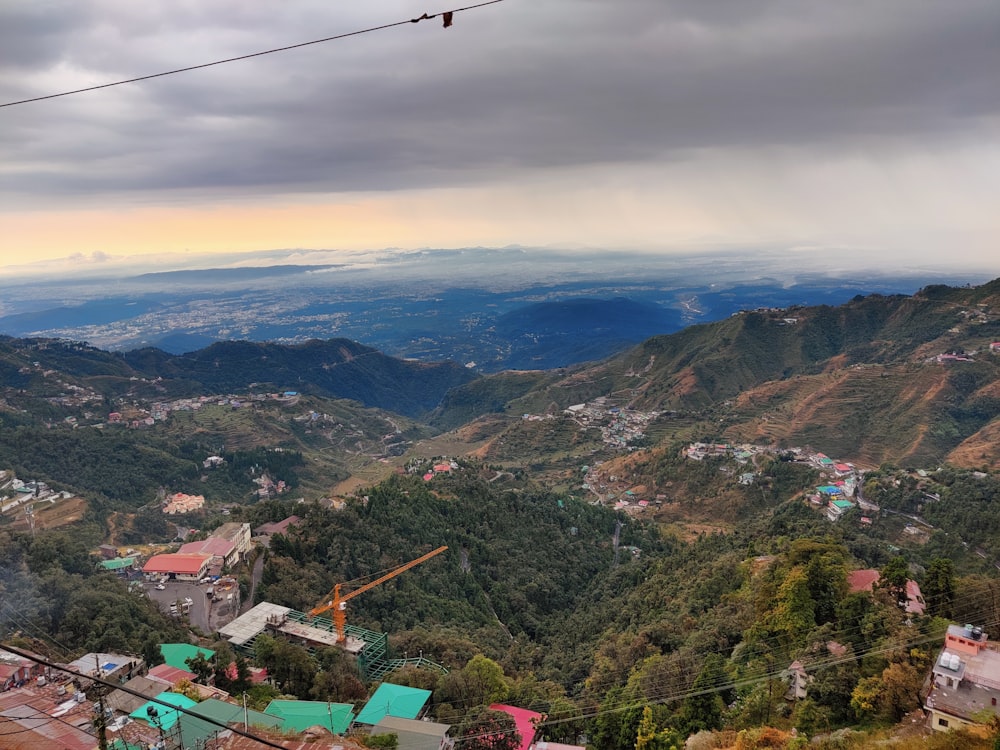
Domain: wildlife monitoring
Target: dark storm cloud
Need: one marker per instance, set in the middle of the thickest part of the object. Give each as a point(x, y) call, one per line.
point(512, 86)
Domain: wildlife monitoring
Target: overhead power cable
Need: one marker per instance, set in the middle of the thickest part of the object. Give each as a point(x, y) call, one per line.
point(124, 688)
point(446, 15)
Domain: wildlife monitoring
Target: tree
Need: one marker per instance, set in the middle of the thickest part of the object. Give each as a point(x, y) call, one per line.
point(893, 577)
point(651, 738)
point(794, 614)
point(488, 730)
point(202, 668)
point(479, 683)
point(939, 587)
point(703, 708)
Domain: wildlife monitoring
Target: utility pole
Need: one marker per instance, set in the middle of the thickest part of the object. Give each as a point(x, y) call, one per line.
point(101, 720)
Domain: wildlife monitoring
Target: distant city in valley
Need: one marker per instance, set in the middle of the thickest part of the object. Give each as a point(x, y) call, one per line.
point(486, 309)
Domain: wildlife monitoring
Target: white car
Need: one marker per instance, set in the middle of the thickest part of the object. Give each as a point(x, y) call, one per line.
point(160, 587)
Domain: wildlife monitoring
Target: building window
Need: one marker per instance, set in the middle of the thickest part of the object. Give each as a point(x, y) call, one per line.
point(942, 722)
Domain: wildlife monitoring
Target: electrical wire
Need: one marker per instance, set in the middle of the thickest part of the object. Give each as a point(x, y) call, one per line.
point(107, 683)
point(189, 68)
point(668, 694)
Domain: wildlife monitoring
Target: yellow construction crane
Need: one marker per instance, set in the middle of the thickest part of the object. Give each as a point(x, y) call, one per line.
point(338, 603)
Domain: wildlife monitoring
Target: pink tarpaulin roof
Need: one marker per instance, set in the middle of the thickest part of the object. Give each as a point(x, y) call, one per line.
point(524, 719)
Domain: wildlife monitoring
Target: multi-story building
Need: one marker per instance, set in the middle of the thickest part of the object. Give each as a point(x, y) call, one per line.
point(965, 680)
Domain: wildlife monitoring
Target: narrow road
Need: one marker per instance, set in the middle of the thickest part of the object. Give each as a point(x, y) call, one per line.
point(255, 575)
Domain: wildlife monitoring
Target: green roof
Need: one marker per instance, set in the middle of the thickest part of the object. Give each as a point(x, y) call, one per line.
point(843, 504)
point(393, 700)
point(177, 654)
point(300, 715)
point(118, 563)
point(195, 730)
point(167, 716)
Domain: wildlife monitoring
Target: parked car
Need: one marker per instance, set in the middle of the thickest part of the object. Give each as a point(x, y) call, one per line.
point(160, 587)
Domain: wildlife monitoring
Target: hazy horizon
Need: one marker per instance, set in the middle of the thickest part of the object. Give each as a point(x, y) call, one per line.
point(866, 133)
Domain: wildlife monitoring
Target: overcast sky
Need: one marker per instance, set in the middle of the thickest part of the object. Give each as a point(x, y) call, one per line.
point(863, 129)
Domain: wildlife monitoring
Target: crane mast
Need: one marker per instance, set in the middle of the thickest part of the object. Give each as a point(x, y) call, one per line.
point(337, 602)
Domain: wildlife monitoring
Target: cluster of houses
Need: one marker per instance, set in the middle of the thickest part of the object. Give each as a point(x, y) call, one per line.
point(137, 416)
point(171, 707)
point(20, 498)
point(835, 497)
point(620, 428)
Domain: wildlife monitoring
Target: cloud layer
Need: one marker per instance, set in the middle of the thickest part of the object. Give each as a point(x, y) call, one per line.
point(708, 108)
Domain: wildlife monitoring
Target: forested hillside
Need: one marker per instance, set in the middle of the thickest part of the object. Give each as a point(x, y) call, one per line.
point(702, 630)
point(336, 368)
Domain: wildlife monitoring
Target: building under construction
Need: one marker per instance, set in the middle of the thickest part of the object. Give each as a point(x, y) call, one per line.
point(370, 648)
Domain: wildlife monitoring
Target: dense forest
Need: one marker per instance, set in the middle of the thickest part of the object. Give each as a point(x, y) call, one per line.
point(529, 604)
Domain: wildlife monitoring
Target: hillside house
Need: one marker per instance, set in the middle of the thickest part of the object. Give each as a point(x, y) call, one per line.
point(277, 527)
point(181, 503)
point(164, 674)
point(798, 681)
point(237, 533)
point(16, 670)
point(222, 550)
point(393, 700)
point(965, 680)
point(416, 735)
point(112, 667)
point(37, 717)
point(837, 508)
point(866, 580)
point(299, 715)
point(183, 567)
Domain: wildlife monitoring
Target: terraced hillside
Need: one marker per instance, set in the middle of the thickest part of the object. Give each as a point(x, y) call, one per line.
point(901, 379)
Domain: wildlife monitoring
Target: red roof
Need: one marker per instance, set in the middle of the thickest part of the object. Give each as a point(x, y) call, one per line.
point(524, 719)
point(257, 675)
point(37, 719)
point(862, 580)
point(279, 527)
point(914, 598)
point(185, 564)
point(170, 675)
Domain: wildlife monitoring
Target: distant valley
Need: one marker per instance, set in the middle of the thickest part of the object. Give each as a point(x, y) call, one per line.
point(490, 314)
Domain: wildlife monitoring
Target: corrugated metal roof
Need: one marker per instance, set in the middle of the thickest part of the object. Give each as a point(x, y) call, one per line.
point(177, 654)
point(211, 546)
point(169, 675)
point(393, 700)
point(299, 715)
point(176, 563)
point(27, 721)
